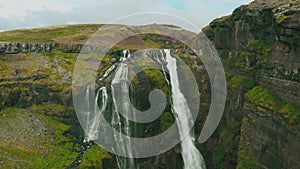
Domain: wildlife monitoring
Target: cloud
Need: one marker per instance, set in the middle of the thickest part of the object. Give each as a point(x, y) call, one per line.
point(15, 14)
point(16, 8)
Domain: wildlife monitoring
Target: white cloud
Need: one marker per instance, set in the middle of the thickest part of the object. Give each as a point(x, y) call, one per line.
point(16, 14)
point(17, 8)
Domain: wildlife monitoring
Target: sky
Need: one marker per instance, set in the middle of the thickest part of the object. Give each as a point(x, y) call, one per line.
point(18, 14)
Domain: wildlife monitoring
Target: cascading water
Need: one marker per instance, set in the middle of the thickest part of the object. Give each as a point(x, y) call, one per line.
point(121, 80)
point(160, 59)
point(93, 129)
point(191, 156)
point(87, 111)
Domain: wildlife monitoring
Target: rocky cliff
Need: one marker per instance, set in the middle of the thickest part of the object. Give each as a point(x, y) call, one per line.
point(259, 46)
point(27, 47)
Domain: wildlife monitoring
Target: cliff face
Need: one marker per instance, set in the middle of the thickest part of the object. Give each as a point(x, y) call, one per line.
point(263, 36)
point(273, 22)
point(260, 45)
point(27, 47)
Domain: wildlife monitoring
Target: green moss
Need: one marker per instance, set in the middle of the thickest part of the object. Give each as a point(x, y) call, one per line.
point(5, 68)
point(237, 82)
point(218, 157)
point(166, 121)
point(261, 49)
point(281, 18)
point(57, 148)
point(9, 112)
point(226, 136)
point(64, 87)
point(186, 60)
point(157, 79)
point(291, 111)
point(229, 74)
point(18, 89)
point(50, 55)
point(67, 60)
point(35, 71)
point(50, 109)
point(246, 162)
point(260, 45)
point(257, 54)
point(268, 99)
point(62, 144)
point(264, 97)
point(235, 63)
point(17, 158)
point(93, 158)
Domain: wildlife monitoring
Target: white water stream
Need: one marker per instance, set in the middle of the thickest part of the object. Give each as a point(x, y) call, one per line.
point(191, 156)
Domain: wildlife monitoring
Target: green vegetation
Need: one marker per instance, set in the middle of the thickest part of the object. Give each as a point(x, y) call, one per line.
point(256, 55)
point(245, 155)
point(235, 64)
point(22, 76)
point(57, 112)
point(79, 34)
point(222, 19)
point(64, 33)
point(247, 162)
point(261, 46)
point(66, 60)
point(225, 135)
point(155, 75)
point(281, 18)
point(186, 60)
point(237, 82)
point(264, 97)
point(260, 50)
point(215, 22)
point(139, 42)
point(229, 74)
point(166, 121)
point(93, 158)
point(157, 79)
point(41, 142)
point(268, 99)
point(106, 63)
point(218, 158)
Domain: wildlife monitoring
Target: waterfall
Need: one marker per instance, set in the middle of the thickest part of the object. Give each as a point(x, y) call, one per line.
point(191, 156)
point(160, 59)
point(121, 82)
point(93, 129)
point(107, 73)
point(87, 111)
